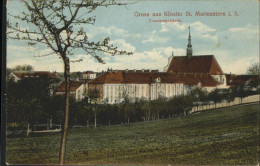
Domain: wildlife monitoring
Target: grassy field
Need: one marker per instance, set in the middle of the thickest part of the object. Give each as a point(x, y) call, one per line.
point(226, 136)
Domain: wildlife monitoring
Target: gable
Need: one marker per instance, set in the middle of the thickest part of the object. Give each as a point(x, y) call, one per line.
point(74, 85)
point(196, 64)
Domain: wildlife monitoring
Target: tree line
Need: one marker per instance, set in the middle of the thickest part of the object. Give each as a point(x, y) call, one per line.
point(30, 101)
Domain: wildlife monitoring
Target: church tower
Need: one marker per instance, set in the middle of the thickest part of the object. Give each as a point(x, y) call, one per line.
point(189, 47)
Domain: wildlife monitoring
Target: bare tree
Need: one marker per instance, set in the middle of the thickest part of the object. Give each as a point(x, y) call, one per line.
point(58, 26)
point(125, 105)
point(94, 94)
point(23, 68)
point(254, 69)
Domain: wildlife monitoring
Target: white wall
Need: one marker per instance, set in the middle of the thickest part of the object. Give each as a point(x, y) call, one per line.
point(114, 93)
point(221, 78)
point(14, 77)
point(80, 92)
point(89, 76)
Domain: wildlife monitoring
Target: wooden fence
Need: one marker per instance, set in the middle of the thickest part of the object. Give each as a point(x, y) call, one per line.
point(237, 101)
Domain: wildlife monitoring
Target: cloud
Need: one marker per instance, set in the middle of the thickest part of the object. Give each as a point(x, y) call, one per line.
point(152, 59)
point(123, 45)
point(240, 46)
point(168, 27)
point(88, 63)
point(140, 60)
point(248, 33)
point(156, 58)
point(227, 61)
point(235, 48)
point(136, 61)
point(93, 31)
point(168, 51)
point(197, 26)
point(109, 30)
point(19, 55)
point(23, 34)
point(240, 35)
point(239, 66)
point(155, 37)
point(198, 30)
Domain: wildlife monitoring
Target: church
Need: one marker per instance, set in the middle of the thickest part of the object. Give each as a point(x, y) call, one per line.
point(198, 66)
point(180, 75)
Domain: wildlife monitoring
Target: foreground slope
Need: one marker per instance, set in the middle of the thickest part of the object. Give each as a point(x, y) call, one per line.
point(221, 136)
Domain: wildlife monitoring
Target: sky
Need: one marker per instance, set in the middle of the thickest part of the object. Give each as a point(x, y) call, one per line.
point(233, 40)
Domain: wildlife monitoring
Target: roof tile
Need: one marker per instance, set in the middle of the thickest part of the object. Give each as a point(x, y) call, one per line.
point(74, 85)
point(233, 80)
point(36, 74)
point(196, 64)
point(147, 78)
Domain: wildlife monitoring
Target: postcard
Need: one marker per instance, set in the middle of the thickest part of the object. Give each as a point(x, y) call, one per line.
point(111, 82)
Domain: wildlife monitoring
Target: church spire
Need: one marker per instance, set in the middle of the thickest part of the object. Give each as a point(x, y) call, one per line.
point(189, 47)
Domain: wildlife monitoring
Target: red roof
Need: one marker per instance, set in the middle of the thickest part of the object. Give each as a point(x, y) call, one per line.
point(205, 80)
point(133, 78)
point(167, 78)
point(196, 64)
point(74, 85)
point(134, 70)
point(146, 78)
point(36, 74)
point(233, 80)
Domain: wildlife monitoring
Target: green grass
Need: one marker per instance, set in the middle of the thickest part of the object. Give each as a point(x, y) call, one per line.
point(227, 136)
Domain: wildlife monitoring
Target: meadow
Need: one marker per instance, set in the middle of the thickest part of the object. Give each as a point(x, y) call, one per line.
point(224, 136)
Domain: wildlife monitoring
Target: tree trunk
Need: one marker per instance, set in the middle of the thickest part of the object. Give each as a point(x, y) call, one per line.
point(125, 116)
point(28, 129)
point(149, 113)
point(95, 119)
point(66, 115)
